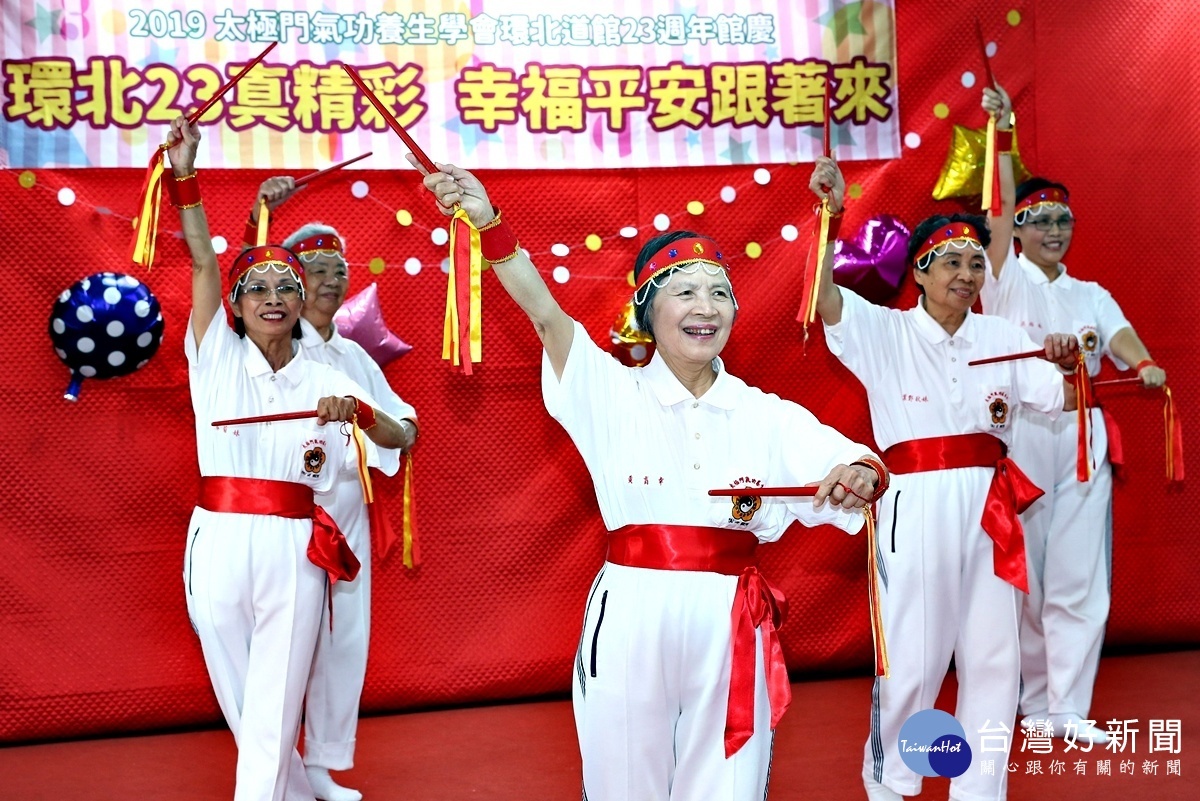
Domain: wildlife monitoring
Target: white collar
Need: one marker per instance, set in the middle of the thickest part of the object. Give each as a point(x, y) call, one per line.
point(313, 340)
point(669, 391)
point(932, 330)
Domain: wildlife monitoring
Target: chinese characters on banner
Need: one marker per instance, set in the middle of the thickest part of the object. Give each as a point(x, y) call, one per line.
point(521, 84)
point(1069, 754)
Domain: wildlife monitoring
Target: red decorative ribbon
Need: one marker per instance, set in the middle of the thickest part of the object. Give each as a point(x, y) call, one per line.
point(755, 604)
point(1084, 400)
point(383, 536)
point(826, 226)
point(1116, 451)
point(1011, 492)
point(1174, 438)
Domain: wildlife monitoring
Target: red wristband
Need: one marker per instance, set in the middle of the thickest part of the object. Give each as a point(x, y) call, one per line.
point(1004, 140)
point(184, 192)
point(882, 482)
point(250, 235)
point(497, 240)
point(1144, 363)
point(364, 415)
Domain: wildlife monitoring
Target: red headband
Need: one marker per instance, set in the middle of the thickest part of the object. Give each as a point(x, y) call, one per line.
point(692, 250)
point(320, 243)
point(954, 232)
point(263, 256)
point(1048, 195)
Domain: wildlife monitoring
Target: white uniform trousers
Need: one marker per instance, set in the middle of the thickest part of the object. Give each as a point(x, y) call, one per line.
point(255, 601)
point(651, 688)
point(340, 667)
point(940, 598)
point(1068, 539)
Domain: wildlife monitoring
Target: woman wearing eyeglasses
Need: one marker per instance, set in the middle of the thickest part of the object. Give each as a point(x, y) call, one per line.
point(1067, 531)
point(260, 549)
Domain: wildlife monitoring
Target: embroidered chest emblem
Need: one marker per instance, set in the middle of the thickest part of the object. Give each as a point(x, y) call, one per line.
point(744, 507)
point(314, 460)
point(997, 405)
point(1089, 340)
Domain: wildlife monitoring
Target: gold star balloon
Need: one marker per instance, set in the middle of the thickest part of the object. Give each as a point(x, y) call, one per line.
point(632, 346)
point(962, 174)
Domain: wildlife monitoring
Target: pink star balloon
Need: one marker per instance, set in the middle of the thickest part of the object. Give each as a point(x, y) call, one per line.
point(361, 320)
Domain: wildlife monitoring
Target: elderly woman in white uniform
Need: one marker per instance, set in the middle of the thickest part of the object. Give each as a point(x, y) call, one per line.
point(340, 664)
point(260, 550)
point(950, 551)
point(1069, 529)
point(673, 698)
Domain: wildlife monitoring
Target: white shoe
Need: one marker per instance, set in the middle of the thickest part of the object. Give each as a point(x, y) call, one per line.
point(326, 789)
point(877, 792)
point(1068, 724)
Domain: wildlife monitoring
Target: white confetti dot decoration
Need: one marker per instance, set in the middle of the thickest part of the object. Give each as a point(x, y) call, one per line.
point(85, 345)
point(762, 176)
point(990, 49)
point(66, 196)
point(728, 194)
point(144, 339)
point(116, 358)
point(559, 249)
point(439, 236)
point(446, 266)
point(412, 265)
point(359, 189)
point(112, 296)
point(561, 274)
point(220, 244)
point(912, 139)
point(115, 328)
point(789, 233)
point(968, 79)
point(141, 308)
point(661, 222)
point(84, 314)
point(629, 232)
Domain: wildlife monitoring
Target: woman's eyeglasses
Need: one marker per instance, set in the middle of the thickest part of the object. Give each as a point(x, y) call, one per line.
point(1063, 223)
point(260, 292)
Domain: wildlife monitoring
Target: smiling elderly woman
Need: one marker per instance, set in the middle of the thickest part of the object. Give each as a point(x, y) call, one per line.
point(956, 559)
point(672, 699)
point(258, 549)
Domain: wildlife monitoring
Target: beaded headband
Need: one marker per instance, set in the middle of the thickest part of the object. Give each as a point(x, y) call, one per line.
point(692, 250)
point(954, 233)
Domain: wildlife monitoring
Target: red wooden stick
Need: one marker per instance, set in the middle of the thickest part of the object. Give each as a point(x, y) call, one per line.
point(389, 119)
point(208, 103)
point(265, 418)
point(1012, 357)
point(987, 64)
point(783, 492)
point(305, 179)
point(828, 91)
point(1112, 382)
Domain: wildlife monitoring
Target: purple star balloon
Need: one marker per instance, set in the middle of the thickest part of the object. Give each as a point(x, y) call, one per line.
point(361, 320)
point(873, 263)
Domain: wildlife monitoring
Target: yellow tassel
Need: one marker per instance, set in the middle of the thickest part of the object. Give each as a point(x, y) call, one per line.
point(360, 447)
point(146, 228)
point(409, 535)
point(878, 640)
point(989, 165)
point(450, 330)
point(452, 333)
point(264, 222)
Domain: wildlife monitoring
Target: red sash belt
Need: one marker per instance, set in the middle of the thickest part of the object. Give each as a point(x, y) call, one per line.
point(327, 548)
point(1010, 493)
point(755, 604)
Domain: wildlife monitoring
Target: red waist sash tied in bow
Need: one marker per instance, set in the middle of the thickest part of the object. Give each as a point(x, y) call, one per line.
point(327, 548)
point(755, 604)
point(1010, 493)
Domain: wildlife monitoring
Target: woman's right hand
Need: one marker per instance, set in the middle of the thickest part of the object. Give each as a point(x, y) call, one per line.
point(183, 141)
point(827, 182)
point(454, 186)
point(998, 105)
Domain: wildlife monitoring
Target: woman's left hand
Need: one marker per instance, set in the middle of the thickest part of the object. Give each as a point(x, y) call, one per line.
point(998, 105)
point(847, 486)
point(336, 410)
point(827, 183)
point(1152, 376)
point(1063, 350)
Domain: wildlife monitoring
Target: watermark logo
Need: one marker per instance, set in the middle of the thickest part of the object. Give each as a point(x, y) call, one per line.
point(933, 743)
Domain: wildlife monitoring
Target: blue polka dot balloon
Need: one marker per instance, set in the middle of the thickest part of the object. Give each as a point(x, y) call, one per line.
point(103, 326)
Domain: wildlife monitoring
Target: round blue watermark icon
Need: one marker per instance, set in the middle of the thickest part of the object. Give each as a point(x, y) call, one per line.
point(933, 743)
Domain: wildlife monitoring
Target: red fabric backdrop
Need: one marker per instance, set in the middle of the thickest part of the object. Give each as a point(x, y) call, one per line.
point(94, 630)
